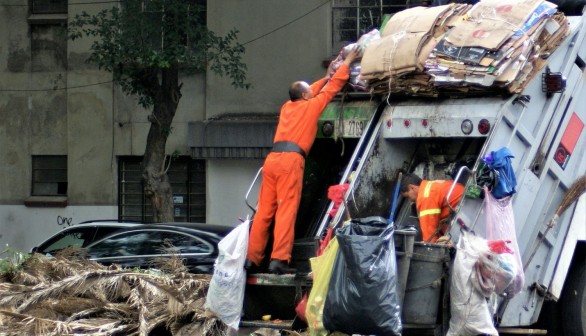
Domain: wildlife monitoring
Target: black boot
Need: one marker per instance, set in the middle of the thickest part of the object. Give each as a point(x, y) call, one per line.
point(280, 267)
point(251, 267)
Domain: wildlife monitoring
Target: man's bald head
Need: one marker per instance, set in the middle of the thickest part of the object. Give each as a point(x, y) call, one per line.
point(298, 89)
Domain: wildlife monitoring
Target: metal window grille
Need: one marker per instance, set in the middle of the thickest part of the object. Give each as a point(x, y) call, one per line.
point(353, 18)
point(49, 175)
point(187, 178)
point(49, 6)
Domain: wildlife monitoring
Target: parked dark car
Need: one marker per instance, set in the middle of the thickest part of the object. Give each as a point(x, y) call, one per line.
point(137, 246)
point(80, 235)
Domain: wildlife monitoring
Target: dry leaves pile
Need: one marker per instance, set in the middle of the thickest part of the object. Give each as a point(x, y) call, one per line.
point(69, 295)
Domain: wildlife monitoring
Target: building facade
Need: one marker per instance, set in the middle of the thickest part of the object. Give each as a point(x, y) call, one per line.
point(71, 142)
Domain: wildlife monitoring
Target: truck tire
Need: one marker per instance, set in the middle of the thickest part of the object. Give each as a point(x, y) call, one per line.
point(573, 301)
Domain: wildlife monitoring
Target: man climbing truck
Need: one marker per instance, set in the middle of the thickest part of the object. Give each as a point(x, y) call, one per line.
point(537, 113)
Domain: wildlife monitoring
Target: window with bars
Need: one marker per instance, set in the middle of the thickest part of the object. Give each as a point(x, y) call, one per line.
point(154, 12)
point(354, 18)
point(49, 6)
point(49, 175)
point(187, 178)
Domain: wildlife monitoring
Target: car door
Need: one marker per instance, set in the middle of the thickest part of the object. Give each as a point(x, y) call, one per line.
point(138, 248)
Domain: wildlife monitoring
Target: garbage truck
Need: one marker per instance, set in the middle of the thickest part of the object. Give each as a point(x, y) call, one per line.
point(366, 140)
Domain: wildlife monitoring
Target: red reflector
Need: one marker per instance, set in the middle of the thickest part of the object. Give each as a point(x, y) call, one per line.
point(424, 122)
point(483, 126)
point(407, 123)
point(389, 123)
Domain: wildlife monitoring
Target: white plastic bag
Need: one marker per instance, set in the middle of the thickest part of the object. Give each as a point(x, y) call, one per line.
point(226, 292)
point(469, 308)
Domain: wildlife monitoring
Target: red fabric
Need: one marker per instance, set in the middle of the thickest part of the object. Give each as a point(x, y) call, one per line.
point(432, 206)
point(282, 174)
point(499, 246)
point(301, 306)
point(336, 194)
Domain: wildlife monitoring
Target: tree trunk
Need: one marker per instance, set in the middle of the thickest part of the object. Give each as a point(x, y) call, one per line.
point(154, 166)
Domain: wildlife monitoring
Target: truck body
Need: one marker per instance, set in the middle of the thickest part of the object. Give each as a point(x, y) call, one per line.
point(366, 142)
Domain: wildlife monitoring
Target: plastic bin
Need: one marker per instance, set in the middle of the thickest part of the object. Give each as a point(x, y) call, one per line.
point(424, 283)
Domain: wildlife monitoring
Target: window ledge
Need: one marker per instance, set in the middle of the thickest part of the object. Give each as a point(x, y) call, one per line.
point(46, 201)
point(47, 19)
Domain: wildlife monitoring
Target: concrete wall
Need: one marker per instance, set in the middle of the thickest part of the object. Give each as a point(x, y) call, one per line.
point(285, 41)
point(228, 182)
point(24, 228)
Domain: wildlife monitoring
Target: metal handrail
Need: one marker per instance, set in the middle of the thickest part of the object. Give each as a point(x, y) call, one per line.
point(454, 184)
point(250, 189)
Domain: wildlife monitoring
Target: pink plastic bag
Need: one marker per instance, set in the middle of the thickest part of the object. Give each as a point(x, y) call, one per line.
point(500, 224)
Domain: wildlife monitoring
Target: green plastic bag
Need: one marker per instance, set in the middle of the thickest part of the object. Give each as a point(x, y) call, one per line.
point(322, 270)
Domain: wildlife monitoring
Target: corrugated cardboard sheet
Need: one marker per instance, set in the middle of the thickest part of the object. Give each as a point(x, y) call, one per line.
point(493, 46)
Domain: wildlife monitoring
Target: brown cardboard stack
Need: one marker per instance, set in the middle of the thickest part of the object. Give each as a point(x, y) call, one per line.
point(493, 46)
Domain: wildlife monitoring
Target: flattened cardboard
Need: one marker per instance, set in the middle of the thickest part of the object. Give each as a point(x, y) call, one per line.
point(492, 22)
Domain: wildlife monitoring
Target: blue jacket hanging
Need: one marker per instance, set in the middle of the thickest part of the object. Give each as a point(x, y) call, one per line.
point(500, 161)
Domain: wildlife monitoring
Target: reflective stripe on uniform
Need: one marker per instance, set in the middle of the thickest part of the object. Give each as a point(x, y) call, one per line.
point(430, 212)
point(427, 189)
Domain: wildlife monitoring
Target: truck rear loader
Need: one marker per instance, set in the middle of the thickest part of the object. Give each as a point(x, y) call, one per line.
point(366, 140)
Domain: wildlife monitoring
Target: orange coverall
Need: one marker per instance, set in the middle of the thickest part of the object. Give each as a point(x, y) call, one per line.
point(432, 206)
point(282, 173)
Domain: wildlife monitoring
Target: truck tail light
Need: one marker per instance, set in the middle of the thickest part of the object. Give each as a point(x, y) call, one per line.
point(552, 82)
point(483, 126)
point(467, 126)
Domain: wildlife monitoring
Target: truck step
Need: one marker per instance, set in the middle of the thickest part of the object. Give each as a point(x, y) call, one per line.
point(274, 324)
point(300, 279)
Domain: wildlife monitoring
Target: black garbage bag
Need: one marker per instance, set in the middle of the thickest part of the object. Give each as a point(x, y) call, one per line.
point(362, 296)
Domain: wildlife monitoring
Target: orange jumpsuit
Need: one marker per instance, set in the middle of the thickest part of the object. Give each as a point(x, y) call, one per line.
point(432, 206)
point(282, 173)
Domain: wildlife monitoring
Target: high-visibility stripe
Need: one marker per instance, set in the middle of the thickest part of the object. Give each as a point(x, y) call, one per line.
point(427, 189)
point(430, 212)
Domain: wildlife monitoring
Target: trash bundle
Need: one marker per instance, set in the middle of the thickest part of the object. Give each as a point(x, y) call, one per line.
point(494, 46)
point(500, 225)
point(361, 297)
point(226, 292)
point(321, 268)
point(355, 80)
point(483, 268)
point(469, 309)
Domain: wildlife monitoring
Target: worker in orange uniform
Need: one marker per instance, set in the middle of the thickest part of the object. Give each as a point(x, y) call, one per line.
point(432, 206)
point(282, 173)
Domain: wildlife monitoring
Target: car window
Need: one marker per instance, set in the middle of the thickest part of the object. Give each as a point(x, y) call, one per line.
point(147, 243)
point(75, 237)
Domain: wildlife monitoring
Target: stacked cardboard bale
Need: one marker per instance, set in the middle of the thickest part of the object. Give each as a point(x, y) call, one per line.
point(461, 49)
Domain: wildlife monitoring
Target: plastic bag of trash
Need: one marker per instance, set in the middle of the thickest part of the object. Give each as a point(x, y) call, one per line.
point(321, 268)
point(470, 315)
point(500, 224)
point(226, 291)
point(362, 297)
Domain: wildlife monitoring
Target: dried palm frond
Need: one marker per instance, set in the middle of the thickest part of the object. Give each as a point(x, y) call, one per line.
point(72, 285)
point(74, 297)
point(171, 265)
point(30, 325)
point(574, 192)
